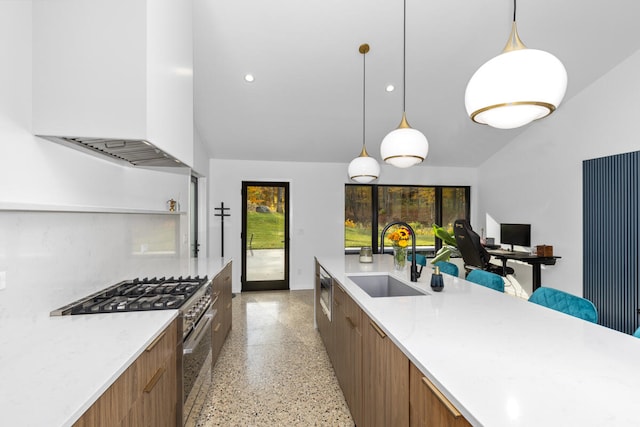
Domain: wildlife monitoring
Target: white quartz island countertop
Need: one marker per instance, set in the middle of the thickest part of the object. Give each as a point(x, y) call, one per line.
point(502, 360)
point(52, 369)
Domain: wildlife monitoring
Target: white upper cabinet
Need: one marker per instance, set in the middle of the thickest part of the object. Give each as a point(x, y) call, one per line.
point(115, 69)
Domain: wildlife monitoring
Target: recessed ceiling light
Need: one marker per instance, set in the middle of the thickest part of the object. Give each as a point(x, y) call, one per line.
point(183, 71)
point(249, 78)
point(389, 88)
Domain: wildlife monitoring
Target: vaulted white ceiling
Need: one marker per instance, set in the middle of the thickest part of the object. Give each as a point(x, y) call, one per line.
point(306, 101)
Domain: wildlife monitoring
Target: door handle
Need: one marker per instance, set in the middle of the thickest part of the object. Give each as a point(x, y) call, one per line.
point(353, 325)
point(377, 329)
point(150, 386)
point(155, 342)
point(197, 334)
point(442, 398)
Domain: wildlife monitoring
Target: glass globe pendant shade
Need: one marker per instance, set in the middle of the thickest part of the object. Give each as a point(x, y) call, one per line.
point(363, 168)
point(404, 147)
point(516, 87)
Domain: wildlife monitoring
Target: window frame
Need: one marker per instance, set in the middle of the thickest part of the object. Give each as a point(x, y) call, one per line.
point(438, 214)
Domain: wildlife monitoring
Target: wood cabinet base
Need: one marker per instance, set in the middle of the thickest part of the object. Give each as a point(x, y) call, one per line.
point(146, 394)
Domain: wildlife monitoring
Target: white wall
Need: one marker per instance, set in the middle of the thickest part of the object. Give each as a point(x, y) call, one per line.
point(90, 251)
point(537, 178)
point(36, 172)
point(201, 155)
point(316, 205)
point(201, 170)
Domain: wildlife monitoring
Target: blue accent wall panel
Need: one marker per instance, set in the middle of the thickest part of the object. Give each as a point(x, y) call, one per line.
point(611, 213)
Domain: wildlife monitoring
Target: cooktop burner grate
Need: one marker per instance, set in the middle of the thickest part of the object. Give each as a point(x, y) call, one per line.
point(138, 295)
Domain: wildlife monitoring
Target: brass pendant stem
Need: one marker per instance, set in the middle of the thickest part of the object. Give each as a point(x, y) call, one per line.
point(364, 49)
point(514, 42)
point(404, 124)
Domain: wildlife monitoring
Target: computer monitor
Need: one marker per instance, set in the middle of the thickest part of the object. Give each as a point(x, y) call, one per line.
point(515, 234)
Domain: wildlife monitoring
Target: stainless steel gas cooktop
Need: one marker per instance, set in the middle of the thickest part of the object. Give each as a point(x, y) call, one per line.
point(137, 295)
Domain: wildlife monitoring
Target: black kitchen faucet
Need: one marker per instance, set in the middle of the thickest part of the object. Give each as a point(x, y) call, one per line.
point(414, 266)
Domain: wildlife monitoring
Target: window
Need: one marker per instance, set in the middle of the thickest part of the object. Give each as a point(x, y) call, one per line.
point(455, 205)
point(358, 205)
point(371, 207)
point(414, 205)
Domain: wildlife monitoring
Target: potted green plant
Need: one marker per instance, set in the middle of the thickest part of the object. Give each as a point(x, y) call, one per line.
point(449, 245)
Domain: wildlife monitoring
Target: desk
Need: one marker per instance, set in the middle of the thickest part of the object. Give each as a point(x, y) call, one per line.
point(534, 260)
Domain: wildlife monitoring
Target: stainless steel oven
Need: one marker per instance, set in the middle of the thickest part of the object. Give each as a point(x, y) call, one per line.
point(198, 318)
point(196, 350)
point(326, 291)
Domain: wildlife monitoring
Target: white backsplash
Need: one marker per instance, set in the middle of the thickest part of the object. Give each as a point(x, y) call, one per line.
point(66, 254)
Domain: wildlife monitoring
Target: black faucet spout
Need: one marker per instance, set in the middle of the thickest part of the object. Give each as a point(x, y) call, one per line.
point(414, 267)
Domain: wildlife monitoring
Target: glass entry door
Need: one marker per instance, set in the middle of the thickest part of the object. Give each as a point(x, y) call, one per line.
point(265, 236)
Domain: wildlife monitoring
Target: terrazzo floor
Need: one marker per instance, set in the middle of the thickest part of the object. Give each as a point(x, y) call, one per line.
point(273, 369)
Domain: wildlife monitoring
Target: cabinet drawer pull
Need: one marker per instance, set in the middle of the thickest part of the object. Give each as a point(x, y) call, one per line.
point(377, 329)
point(156, 341)
point(214, 299)
point(217, 328)
point(154, 380)
point(454, 411)
point(353, 325)
point(336, 302)
point(228, 305)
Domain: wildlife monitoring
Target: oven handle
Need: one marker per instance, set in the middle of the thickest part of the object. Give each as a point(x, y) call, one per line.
point(197, 334)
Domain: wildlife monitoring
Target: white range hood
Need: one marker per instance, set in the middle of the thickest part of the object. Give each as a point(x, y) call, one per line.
point(125, 94)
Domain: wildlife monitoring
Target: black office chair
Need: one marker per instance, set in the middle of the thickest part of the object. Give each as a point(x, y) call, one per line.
point(474, 255)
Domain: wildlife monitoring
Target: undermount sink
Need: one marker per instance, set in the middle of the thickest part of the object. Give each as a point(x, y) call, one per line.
point(383, 285)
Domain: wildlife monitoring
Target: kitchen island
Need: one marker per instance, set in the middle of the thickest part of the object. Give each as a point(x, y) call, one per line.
point(52, 369)
point(500, 360)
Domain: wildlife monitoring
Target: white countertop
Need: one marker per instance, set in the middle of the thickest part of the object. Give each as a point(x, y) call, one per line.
point(52, 369)
point(502, 360)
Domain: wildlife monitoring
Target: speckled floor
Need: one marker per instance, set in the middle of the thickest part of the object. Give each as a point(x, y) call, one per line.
point(273, 369)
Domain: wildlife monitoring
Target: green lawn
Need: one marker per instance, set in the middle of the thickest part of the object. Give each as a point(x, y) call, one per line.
point(267, 230)
point(356, 237)
point(268, 233)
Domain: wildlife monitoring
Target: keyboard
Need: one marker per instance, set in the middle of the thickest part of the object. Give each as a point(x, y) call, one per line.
point(508, 252)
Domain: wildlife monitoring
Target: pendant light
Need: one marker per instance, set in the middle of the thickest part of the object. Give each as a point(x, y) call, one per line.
point(364, 168)
point(516, 87)
point(404, 146)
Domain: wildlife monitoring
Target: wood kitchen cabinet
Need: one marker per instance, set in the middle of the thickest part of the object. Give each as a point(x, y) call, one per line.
point(221, 302)
point(323, 322)
point(347, 322)
point(160, 376)
point(428, 406)
point(227, 296)
point(380, 385)
point(340, 338)
point(146, 394)
point(385, 378)
point(373, 373)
